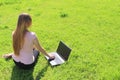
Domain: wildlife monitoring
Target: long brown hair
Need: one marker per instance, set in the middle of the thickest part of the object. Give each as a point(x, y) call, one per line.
point(24, 21)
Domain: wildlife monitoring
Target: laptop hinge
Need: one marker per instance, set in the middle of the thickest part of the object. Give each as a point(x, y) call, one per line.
point(62, 57)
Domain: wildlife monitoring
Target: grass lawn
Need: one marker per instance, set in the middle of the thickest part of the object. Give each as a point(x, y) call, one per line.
point(90, 27)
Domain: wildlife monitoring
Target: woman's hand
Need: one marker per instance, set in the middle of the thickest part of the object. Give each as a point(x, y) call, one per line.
point(51, 57)
point(7, 56)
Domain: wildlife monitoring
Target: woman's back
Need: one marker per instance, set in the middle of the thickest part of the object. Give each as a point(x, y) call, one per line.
point(26, 53)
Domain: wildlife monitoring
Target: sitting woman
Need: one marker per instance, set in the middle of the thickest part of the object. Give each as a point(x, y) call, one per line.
point(25, 56)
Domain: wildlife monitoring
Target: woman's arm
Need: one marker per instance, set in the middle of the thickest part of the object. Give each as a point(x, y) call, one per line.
point(39, 47)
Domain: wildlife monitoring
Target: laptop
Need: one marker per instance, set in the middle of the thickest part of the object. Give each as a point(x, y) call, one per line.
point(61, 55)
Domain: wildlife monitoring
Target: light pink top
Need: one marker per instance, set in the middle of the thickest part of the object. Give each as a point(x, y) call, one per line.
point(26, 53)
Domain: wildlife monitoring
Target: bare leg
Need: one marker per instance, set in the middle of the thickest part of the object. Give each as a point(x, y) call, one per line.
point(36, 54)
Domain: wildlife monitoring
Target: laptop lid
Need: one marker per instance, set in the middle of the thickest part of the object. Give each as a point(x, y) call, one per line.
point(63, 50)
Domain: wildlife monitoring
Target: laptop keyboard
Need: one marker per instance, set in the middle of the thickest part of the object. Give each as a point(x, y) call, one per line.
point(57, 60)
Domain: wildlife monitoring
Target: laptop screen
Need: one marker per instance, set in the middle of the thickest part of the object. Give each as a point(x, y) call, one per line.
point(63, 50)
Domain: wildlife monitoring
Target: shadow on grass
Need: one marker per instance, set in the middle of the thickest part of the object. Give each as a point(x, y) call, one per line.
point(41, 73)
point(20, 74)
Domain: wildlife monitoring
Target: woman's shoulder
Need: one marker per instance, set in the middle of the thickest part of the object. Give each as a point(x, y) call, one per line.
point(13, 32)
point(31, 33)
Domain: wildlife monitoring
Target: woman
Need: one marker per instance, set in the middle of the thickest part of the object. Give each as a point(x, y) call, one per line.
point(25, 56)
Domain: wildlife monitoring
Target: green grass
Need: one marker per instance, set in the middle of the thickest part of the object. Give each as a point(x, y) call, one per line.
point(90, 27)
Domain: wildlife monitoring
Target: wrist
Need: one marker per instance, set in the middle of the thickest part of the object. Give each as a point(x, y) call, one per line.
point(48, 56)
